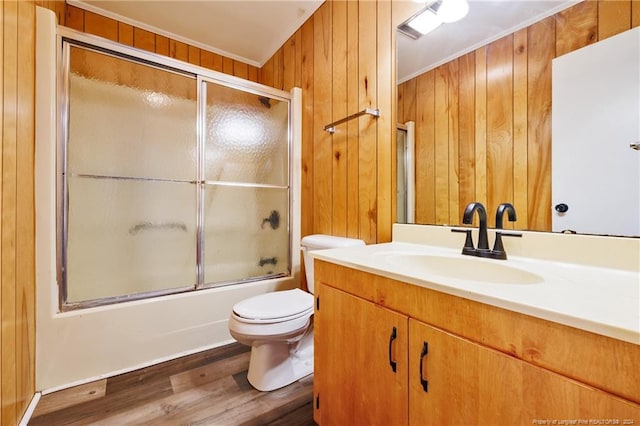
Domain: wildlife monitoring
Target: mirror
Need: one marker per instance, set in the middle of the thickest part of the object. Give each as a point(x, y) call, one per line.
point(480, 93)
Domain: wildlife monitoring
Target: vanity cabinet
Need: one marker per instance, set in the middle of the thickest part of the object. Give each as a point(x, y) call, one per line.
point(357, 384)
point(446, 373)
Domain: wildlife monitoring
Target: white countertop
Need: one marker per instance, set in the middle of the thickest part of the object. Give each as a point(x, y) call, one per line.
point(601, 300)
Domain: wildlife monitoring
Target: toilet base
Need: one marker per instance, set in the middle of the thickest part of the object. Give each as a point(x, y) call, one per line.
point(277, 364)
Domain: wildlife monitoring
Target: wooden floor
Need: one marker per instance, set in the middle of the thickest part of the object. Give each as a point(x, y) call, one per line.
point(208, 388)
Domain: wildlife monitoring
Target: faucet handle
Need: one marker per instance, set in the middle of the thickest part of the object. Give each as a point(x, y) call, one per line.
point(468, 242)
point(498, 249)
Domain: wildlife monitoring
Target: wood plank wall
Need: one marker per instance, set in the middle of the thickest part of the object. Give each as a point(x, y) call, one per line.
point(483, 121)
point(17, 223)
point(92, 23)
point(342, 57)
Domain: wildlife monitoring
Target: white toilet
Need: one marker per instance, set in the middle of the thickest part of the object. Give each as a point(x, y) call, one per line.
point(279, 325)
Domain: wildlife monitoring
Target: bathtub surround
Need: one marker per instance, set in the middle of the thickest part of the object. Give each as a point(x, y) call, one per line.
point(79, 346)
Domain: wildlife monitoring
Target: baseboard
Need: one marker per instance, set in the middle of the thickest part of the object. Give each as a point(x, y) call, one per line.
point(30, 409)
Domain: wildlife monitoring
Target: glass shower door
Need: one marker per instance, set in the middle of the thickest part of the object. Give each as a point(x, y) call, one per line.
point(245, 201)
point(130, 178)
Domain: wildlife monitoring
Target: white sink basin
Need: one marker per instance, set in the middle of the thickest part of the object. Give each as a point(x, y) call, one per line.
point(463, 268)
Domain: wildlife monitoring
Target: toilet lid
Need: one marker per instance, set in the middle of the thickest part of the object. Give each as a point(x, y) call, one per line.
point(278, 304)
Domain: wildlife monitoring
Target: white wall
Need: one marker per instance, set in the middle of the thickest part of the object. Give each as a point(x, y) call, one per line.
point(79, 346)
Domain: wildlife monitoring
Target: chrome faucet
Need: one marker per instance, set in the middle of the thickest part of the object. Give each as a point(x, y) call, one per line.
point(483, 250)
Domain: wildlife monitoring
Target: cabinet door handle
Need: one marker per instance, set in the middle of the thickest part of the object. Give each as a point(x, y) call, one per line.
point(394, 335)
point(424, 382)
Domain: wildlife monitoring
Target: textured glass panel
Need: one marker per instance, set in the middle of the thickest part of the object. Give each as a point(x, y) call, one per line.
point(130, 119)
point(246, 233)
point(129, 236)
point(246, 137)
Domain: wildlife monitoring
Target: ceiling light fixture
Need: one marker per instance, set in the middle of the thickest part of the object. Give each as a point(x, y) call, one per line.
point(425, 22)
point(432, 16)
point(452, 10)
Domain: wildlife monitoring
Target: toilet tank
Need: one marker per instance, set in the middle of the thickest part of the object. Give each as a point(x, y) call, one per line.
point(320, 242)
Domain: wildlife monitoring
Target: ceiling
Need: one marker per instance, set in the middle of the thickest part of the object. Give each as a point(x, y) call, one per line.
point(247, 30)
point(488, 20)
point(253, 30)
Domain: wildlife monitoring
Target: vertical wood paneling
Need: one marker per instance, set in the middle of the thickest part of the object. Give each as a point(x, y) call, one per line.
point(227, 65)
point(162, 45)
point(541, 40)
point(576, 27)
point(125, 34)
point(386, 124)
point(339, 110)
point(266, 73)
point(520, 130)
point(454, 183)
point(194, 55)
point(8, 214)
point(367, 83)
point(252, 73)
point(289, 63)
point(614, 17)
point(241, 70)
point(101, 26)
point(499, 122)
point(322, 206)
point(425, 149)
point(74, 18)
point(3, 350)
point(409, 101)
point(17, 271)
point(353, 204)
point(481, 125)
point(306, 75)
point(178, 50)
point(441, 127)
point(25, 230)
point(400, 102)
point(466, 113)
point(297, 59)
point(143, 39)
point(635, 13)
point(278, 71)
point(211, 60)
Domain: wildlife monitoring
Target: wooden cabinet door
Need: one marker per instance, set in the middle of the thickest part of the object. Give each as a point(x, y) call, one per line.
point(459, 373)
point(473, 385)
point(354, 381)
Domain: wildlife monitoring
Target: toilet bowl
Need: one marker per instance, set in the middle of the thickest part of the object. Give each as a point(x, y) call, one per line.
point(279, 325)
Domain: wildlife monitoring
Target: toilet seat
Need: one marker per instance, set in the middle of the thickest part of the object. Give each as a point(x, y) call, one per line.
point(280, 314)
point(275, 307)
